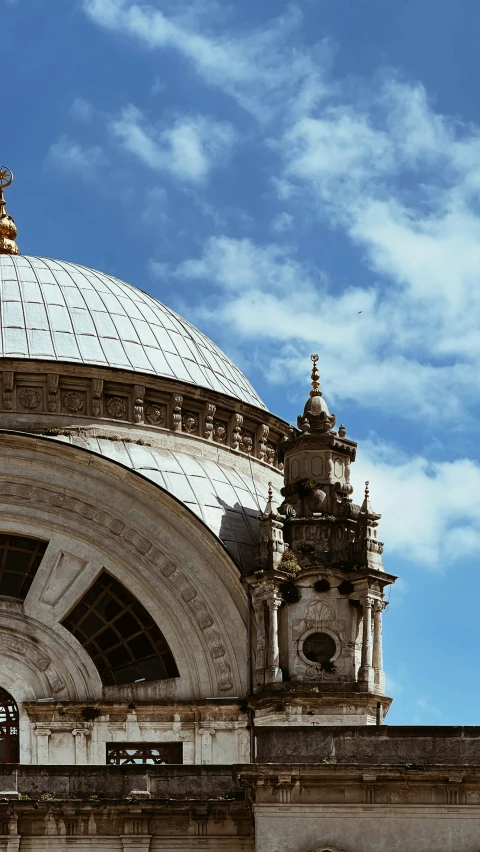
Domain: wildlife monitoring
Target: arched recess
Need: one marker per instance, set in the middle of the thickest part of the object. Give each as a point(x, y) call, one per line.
point(328, 848)
point(98, 516)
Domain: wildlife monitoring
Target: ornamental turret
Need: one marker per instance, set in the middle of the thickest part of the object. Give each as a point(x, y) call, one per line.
point(317, 590)
point(8, 229)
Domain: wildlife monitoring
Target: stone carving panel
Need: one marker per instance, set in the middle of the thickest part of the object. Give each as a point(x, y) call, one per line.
point(74, 401)
point(116, 407)
point(29, 398)
point(155, 414)
point(190, 423)
point(220, 431)
point(40, 660)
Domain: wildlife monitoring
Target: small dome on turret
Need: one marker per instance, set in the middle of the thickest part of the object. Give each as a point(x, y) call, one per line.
point(316, 415)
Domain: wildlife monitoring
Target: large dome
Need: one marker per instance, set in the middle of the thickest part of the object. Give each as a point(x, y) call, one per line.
point(51, 309)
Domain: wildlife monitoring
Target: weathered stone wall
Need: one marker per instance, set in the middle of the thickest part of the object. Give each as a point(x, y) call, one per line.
point(369, 745)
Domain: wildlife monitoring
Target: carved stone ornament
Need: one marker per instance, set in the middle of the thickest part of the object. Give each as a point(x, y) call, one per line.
point(30, 398)
point(237, 423)
point(208, 414)
point(270, 454)
point(73, 401)
point(177, 402)
point(246, 444)
point(52, 387)
point(262, 435)
point(155, 414)
point(116, 407)
point(138, 397)
point(190, 422)
point(97, 390)
point(219, 432)
point(8, 377)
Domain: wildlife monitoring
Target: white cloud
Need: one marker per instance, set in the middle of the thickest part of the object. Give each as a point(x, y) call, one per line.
point(73, 157)
point(82, 110)
point(262, 69)
point(282, 222)
point(188, 149)
point(400, 180)
point(428, 514)
point(284, 309)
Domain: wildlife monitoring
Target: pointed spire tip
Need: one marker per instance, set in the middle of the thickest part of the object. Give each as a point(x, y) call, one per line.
point(315, 377)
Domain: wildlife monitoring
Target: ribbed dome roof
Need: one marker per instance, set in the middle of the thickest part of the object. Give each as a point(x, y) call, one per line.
point(53, 310)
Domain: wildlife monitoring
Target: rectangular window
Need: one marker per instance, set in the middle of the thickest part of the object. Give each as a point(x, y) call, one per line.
point(121, 754)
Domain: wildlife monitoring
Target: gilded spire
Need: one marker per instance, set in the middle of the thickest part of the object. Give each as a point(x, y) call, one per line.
point(315, 377)
point(8, 229)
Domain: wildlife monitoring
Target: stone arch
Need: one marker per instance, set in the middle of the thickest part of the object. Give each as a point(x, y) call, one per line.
point(328, 848)
point(97, 515)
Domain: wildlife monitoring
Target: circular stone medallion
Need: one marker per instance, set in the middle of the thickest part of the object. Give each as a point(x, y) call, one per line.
point(29, 398)
point(116, 407)
point(154, 414)
point(73, 401)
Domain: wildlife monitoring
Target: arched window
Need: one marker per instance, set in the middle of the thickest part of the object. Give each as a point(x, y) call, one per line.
point(120, 635)
point(9, 741)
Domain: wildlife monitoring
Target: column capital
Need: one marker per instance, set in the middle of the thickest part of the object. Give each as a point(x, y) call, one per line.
point(81, 732)
point(210, 731)
point(42, 732)
point(379, 605)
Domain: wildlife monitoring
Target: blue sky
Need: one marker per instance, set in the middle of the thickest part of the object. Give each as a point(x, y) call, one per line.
point(292, 178)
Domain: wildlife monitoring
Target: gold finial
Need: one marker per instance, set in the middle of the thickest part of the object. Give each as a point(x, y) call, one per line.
point(315, 377)
point(367, 492)
point(8, 229)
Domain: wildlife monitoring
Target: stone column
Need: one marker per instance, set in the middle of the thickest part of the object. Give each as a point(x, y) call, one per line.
point(13, 840)
point(206, 736)
point(365, 674)
point(273, 673)
point(259, 608)
point(379, 678)
point(42, 735)
point(80, 735)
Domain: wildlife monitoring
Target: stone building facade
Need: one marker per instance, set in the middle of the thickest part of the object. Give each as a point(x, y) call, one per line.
point(191, 601)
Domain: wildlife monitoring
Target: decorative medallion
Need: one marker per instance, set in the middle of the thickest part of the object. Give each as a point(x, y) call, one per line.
point(155, 414)
point(30, 398)
point(116, 407)
point(73, 401)
point(270, 454)
point(219, 432)
point(247, 444)
point(190, 422)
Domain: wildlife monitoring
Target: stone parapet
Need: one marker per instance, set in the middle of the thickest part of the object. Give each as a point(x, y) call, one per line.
point(415, 747)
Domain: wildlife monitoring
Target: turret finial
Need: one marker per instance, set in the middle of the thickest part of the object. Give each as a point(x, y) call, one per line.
point(8, 229)
point(315, 377)
point(367, 490)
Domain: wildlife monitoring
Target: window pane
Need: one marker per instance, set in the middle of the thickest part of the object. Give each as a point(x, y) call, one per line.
point(112, 626)
point(20, 558)
point(144, 753)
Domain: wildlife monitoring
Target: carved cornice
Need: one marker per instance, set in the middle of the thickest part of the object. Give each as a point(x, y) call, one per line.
point(35, 398)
